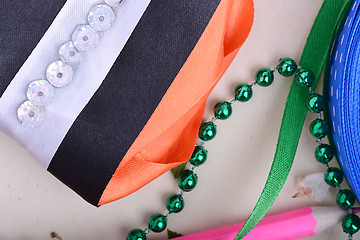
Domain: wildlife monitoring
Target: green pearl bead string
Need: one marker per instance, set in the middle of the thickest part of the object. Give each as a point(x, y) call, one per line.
point(318, 128)
point(207, 131)
point(222, 110)
point(333, 176)
point(345, 199)
point(199, 156)
point(316, 103)
point(243, 92)
point(157, 223)
point(175, 203)
point(324, 153)
point(286, 67)
point(304, 77)
point(187, 180)
point(136, 234)
point(351, 224)
point(264, 77)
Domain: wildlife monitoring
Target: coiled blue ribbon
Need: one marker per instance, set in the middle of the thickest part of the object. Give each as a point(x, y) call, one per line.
point(344, 98)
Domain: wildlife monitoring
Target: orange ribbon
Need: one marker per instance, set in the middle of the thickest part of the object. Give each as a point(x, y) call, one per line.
point(169, 136)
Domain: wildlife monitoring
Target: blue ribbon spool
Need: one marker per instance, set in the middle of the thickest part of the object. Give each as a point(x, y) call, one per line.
point(343, 92)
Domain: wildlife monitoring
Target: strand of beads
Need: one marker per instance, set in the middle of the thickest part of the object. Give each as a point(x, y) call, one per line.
point(222, 110)
point(324, 153)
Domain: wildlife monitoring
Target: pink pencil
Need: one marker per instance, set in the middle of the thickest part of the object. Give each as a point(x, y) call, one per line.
point(285, 226)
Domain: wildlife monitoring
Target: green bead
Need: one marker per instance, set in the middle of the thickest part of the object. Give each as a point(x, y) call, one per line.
point(175, 203)
point(318, 128)
point(187, 180)
point(207, 131)
point(243, 92)
point(286, 67)
point(222, 110)
point(136, 234)
point(157, 223)
point(333, 176)
point(345, 199)
point(198, 156)
point(264, 77)
point(351, 224)
point(316, 103)
point(304, 77)
point(324, 153)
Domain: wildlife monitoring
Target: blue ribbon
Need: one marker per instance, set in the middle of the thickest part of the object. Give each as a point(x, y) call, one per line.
point(343, 92)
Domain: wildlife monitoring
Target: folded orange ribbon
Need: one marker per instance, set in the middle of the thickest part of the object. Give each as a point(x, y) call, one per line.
point(169, 136)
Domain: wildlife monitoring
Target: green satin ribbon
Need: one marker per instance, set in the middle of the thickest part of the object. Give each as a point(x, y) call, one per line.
point(314, 57)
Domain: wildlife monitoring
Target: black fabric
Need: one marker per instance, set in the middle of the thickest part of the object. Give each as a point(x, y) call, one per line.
point(109, 124)
point(22, 24)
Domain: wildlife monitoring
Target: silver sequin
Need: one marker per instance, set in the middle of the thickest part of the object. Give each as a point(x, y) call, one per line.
point(85, 38)
point(59, 74)
point(40, 93)
point(30, 116)
point(69, 54)
point(113, 3)
point(101, 17)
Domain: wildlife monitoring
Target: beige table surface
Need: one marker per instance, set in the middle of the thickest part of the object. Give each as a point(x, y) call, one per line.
point(33, 203)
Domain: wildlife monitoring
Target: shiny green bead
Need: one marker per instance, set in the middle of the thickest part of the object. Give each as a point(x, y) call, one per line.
point(198, 156)
point(222, 110)
point(136, 234)
point(286, 67)
point(243, 92)
point(264, 77)
point(316, 103)
point(207, 131)
point(333, 176)
point(187, 180)
point(324, 153)
point(345, 199)
point(304, 77)
point(157, 223)
point(351, 224)
point(175, 203)
point(318, 128)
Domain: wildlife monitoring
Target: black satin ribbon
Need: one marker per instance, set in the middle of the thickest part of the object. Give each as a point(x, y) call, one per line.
point(22, 25)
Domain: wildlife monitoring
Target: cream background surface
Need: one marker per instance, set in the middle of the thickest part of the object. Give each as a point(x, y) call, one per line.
point(33, 203)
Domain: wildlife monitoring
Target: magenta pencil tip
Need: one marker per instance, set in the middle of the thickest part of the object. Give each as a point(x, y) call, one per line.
point(356, 210)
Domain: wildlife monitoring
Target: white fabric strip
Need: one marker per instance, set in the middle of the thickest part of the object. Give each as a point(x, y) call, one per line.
point(43, 142)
